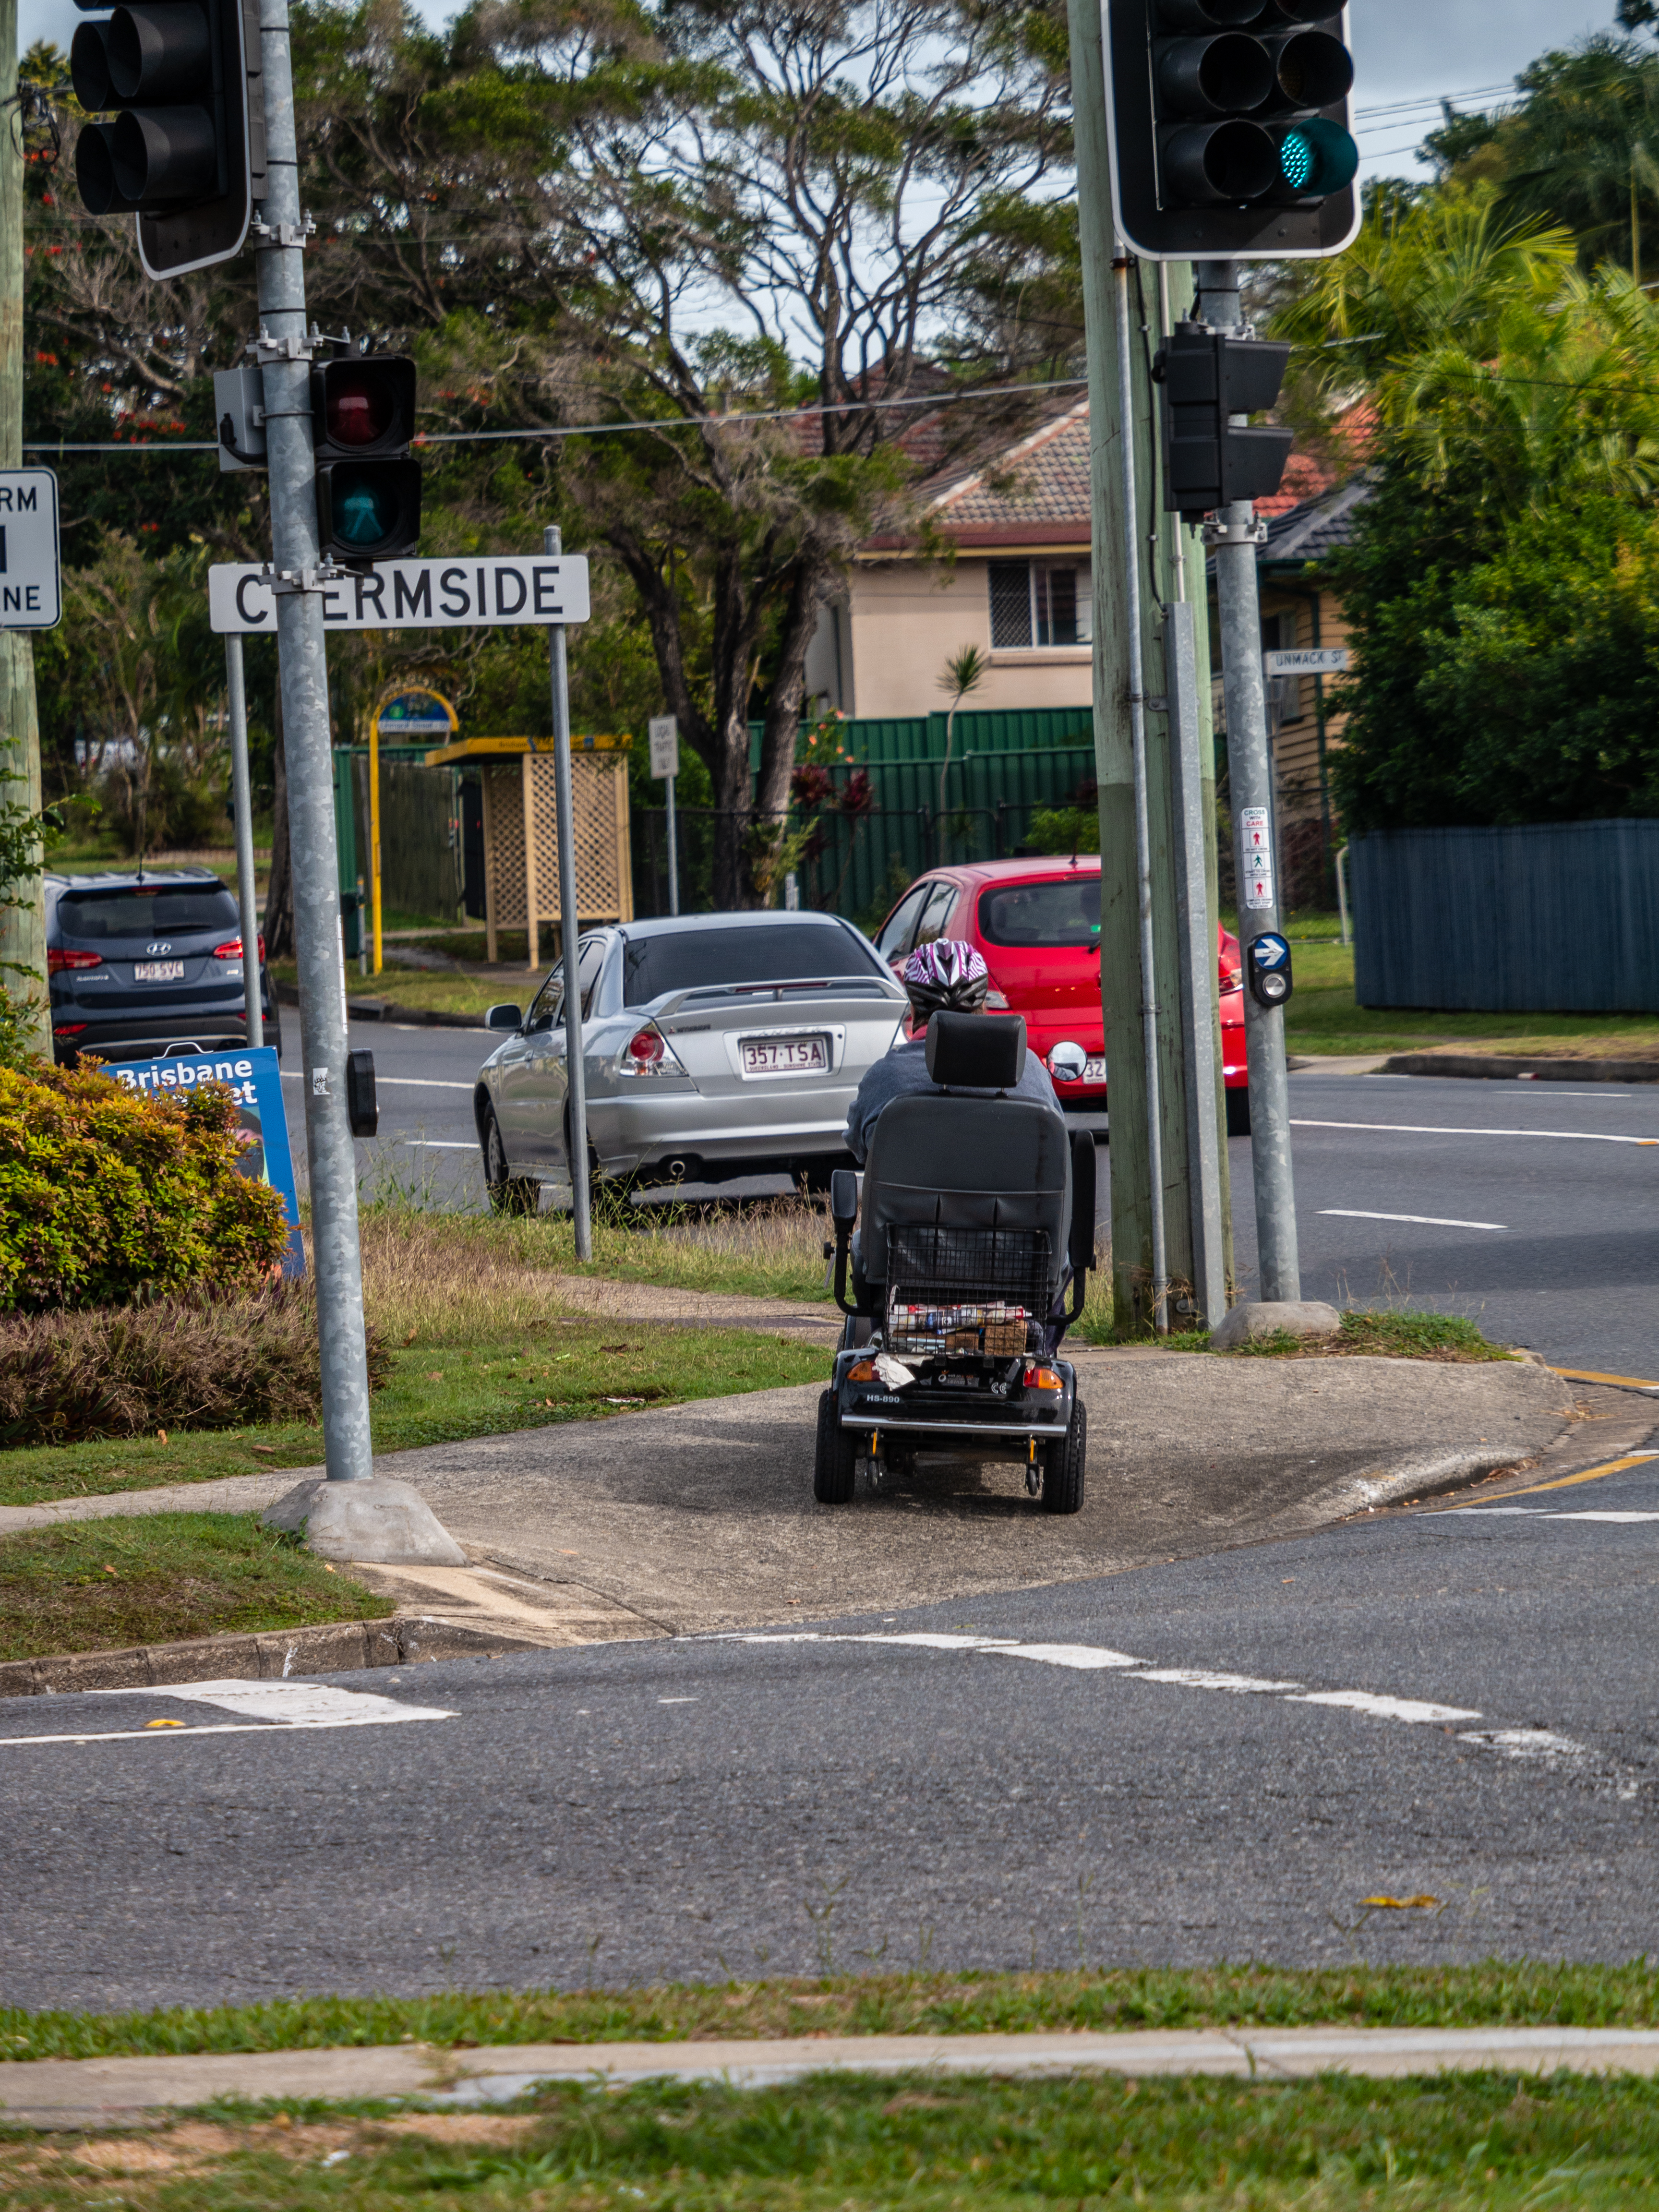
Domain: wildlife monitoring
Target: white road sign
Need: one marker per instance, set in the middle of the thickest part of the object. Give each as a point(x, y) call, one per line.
point(663, 734)
point(31, 595)
point(492, 591)
point(1312, 661)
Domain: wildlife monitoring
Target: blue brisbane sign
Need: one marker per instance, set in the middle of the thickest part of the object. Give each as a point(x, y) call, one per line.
point(254, 1080)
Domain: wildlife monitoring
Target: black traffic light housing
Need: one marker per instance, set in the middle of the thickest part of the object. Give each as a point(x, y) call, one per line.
point(1229, 127)
point(183, 149)
point(1205, 377)
point(368, 490)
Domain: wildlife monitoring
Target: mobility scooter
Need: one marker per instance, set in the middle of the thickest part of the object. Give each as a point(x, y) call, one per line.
point(976, 1232)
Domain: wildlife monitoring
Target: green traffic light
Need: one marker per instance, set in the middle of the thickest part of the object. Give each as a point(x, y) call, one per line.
point(1317, 158)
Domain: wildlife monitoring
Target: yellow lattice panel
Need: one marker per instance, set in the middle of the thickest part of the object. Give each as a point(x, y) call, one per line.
point(599, 796)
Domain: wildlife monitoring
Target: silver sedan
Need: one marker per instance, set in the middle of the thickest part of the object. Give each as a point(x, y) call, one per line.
point(714, 1045)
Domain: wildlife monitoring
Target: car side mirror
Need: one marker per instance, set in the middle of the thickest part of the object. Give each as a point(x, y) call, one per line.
point(843, 1198)
point(504, 1016)
point(1067, 1063)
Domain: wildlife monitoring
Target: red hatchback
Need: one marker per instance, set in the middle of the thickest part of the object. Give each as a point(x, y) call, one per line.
point(1037, 923)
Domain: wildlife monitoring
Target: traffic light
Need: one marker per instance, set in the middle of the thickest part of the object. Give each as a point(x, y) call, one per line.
point(368, 491)
point(1229, 127)
point(1206, 377)
point(185, 148)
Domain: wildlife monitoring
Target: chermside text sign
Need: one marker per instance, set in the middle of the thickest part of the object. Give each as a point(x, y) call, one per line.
point(495, 590)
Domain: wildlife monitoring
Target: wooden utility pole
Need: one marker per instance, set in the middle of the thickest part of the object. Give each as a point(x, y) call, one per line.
point(22, 928)
point(1122, 975)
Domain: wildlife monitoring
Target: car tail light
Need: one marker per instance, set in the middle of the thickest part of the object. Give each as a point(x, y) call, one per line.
point(647, 1052)
point(1042, 1378)
point(67, 1028)
point(232, 948)
point(58, 959)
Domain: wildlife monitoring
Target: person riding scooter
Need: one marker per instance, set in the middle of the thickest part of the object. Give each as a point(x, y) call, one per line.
point(950, 976)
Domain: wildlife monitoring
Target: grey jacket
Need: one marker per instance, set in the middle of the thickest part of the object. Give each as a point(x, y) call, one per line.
point(904, 1071)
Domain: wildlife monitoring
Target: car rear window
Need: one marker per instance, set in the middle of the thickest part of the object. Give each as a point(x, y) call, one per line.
point(171, 910)
point(780, 953)
point(1063, 910)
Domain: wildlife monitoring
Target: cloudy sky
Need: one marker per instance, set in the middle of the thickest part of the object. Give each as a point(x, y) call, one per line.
point(1411, 54)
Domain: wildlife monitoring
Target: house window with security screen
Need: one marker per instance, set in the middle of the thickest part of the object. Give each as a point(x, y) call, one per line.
point(1040, 603)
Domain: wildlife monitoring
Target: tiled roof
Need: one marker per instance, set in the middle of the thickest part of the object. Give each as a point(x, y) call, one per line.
point(1038, 482)
point(1314, 527)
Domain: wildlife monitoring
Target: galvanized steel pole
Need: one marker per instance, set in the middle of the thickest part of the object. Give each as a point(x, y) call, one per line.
point(285, 354)
point(242, 808)
point(569, 930)
point(1250, 777)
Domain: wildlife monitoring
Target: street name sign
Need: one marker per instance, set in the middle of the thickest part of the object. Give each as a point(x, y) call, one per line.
point(31, 592)
point(1311, 660)
point(663, 733)
point(495, 590)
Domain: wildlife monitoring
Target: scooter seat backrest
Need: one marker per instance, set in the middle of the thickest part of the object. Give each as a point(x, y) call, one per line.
point(937, 1161)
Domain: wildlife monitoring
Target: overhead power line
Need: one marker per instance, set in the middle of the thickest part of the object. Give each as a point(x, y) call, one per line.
point(802, 410)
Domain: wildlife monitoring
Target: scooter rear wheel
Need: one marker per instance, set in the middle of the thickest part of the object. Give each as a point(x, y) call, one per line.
point(834, 1463)
point(1062, 1472)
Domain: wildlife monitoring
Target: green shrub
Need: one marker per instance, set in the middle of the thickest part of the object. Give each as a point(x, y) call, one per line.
point(70, 1378)
point(108, 1197)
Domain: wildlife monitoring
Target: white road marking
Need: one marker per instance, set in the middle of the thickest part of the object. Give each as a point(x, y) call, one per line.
point(1435, 1129)
point(1092, 1656)
point(400, 1082)
point(1538, 1513)
point(1524, 1743)
point(272, 1707)
point(1427, 1220)
point(1201, 1677)
point(1414, 1710)
point(1601, 1517)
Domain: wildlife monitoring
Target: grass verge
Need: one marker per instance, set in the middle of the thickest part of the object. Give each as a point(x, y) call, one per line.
point(1324, 1017)
point(1495, 1993)
point(1448, 1339)
point(1492, 2139)
point(101, 1585)
point(522, 1377)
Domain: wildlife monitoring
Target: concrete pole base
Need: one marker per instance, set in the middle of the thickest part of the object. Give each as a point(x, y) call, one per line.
point(1265, 1317)
point(382, 1522)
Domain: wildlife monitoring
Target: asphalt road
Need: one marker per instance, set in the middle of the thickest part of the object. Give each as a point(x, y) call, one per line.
point(1533, 1207)
point(1220, 1759)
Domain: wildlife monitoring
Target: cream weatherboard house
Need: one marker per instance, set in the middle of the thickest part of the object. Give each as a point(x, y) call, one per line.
point(1019, 588)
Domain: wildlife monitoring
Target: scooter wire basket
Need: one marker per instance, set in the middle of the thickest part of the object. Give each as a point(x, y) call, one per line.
point(965, 1290)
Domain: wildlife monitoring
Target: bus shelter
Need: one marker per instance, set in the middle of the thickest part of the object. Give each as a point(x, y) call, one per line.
point(520, 831)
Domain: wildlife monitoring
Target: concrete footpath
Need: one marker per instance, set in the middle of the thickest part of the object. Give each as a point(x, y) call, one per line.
point(700, 1516)
point(90, 2092)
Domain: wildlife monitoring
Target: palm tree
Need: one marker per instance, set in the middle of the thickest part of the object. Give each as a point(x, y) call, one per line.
point(963, 672)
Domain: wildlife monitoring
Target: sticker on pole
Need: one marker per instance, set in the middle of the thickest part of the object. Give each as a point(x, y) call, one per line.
point(1255, 853)
point(495, 592)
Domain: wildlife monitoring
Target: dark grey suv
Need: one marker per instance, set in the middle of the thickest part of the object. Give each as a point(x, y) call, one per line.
point(138, 962)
